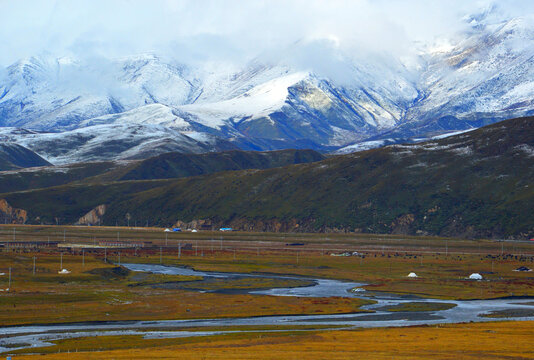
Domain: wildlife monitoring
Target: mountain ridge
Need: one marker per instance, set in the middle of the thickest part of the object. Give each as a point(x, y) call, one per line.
point(480, 78)
point(474, 184)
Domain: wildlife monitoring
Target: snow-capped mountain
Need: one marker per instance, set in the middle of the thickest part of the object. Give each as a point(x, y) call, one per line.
point(481, 76)
point(120, 141)
point(45, 93)
point(485, 76)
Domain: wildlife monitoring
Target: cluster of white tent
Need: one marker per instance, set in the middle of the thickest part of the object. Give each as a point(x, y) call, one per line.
point(473, 276)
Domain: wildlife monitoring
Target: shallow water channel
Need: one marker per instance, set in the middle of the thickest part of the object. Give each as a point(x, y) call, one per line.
point(35, 336)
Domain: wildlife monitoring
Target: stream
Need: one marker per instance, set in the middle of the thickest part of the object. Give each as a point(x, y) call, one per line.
point(35, 336)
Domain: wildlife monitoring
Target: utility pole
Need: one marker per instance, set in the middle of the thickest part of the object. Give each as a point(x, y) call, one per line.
point(63, 235)
point(118, 236)
point(160, 255)
point(60, 261)
point(14, 234)
point(119, 258)
point(221, 242)
point(196, 247)
point(165, 239)
point(179, 250)
point(9, 286)
point(83, 258)
point(446, 247)
point(34, 265)
point(106, 255)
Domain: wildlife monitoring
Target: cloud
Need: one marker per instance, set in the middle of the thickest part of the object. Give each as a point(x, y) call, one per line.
point(231, 30)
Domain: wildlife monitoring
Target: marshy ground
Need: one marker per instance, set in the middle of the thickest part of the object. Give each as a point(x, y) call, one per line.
point(98, 289)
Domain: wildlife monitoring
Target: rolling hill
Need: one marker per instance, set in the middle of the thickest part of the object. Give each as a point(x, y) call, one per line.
point(165, 166)
point(13, 156)
point(478, 184)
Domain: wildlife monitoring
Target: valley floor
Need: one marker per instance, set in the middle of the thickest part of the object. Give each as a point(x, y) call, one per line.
point(97, 289)
point(499, 340)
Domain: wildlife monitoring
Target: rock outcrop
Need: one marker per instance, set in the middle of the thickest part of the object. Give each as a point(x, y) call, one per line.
point(11, 215)
point(93, 217)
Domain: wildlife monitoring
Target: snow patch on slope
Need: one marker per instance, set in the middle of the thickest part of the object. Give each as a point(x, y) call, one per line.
point(260, 101)
point(153, 114)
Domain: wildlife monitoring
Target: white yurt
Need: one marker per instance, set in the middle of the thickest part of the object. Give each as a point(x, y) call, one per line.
point(412, 275)
point(475, 276)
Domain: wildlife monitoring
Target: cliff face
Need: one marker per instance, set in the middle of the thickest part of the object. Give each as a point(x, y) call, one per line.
point(11, 215)
point(93, 217)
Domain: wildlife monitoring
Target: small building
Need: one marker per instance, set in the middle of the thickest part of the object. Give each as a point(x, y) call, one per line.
point(176, 229)
point(28, 244)
point(226, 229)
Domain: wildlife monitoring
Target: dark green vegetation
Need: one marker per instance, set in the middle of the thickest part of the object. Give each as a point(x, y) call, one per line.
point(510, 313)
point(173, 165)
point(13, 156)
point(165, 166)
point(52, 176)
point(418, 306)
point(474, 184)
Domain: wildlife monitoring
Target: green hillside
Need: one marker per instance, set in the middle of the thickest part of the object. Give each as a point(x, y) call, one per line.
point(474, 184)
point(165, 166)
point(13, 156)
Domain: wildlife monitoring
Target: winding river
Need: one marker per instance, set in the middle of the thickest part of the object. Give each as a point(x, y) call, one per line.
point(35, 336)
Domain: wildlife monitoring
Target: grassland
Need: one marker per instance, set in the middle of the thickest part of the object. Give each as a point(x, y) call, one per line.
point(442, 265)
point(501, 340)
point(89, 295)
point(97, 289)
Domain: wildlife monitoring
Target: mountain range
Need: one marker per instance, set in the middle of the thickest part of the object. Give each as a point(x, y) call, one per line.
point(68, 110)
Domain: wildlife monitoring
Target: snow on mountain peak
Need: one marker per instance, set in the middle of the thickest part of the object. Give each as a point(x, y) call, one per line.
point(259, 101)
point(311, 94)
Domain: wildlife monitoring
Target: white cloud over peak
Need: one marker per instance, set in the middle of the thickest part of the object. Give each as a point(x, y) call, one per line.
point(231, 30)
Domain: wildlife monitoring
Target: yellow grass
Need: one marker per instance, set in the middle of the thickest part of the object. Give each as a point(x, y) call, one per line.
point(49, 297)
point(499, 340)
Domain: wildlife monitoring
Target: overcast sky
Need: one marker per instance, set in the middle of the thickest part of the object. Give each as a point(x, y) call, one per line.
point(228, 30)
